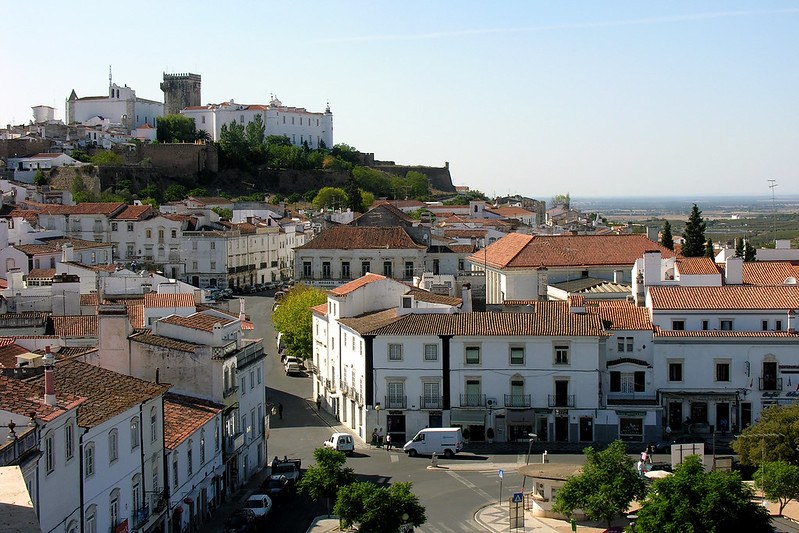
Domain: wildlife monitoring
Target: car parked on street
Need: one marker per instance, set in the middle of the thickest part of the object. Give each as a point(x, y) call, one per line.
point(664, 446)
point(240, 521)
point(341, 442)
point(259, 503)
point(277, 486)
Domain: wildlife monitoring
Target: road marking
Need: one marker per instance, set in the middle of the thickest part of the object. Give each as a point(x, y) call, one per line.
point(470, 485)
point(395, 458)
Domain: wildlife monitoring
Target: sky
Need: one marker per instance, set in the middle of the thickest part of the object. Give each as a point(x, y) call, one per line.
point(590, 98)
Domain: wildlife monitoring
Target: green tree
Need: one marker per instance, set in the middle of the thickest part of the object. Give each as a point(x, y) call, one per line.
point(666, 238)
point(607, 485)
point(327, 476)
point(293, 198)
point(347, 153)
point(330, 197)
point(367, 199)
point(779, 421)
point(202, 135)
point(694, 235)
point(254, 135)
point(377, 509)
point(174, 192)
point(739, 247)
point(373, 180)
point(223, 212)
point(80, 155)
point(701, 502)
point(750, 254)
point(418, 184)
point(152, 191)
point(79, 191)
point(563, 200)
point(197, 193)
point(175, 128)
point(232, 144)
point(106, 158)
point(39, 178)
point(709, 251)
point(355, 200)
point(781, 482)
point(293, 318)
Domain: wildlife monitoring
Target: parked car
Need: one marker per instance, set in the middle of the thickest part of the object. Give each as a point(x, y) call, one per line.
point(342, 442)
point(269, 285)
point(664, 446)
point(259, 503)
point(293, 369)
point(277, 486)
point(297, 360)
point(288, 469)
point(240, 521)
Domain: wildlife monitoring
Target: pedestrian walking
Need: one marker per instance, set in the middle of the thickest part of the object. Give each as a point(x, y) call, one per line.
point(380, 438)
point(275, 461)
point(388, 442)
point(280, 410)
point(640, 467)
point(374, 437)
point(318, 402)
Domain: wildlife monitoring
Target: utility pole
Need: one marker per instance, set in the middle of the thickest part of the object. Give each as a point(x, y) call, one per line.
point(772, 184)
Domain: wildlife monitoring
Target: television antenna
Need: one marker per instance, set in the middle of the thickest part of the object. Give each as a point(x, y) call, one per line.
point(772, 184)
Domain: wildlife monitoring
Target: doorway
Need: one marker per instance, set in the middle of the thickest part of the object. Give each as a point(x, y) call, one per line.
point(699, 412)
point(395, 426)
point(675, 416)
point(561, 428)
point(746, 414)
point(722, 417)
point(586, 429)
point(542, 428)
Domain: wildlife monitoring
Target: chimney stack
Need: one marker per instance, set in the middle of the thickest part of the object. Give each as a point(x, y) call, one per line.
point(49, 380)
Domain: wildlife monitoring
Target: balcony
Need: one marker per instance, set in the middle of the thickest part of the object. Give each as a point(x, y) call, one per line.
point(431, 402)
point(14, 451)
point(141, 516)
point(233, 443)
point(518, 400)
point(395, 402)
point(473, 400)
point(343, 387)
point(561, 400)
point(229, 392)
point(768, 383)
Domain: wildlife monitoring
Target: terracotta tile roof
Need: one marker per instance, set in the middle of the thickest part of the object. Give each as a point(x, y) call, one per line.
point(145, 337)
point(9, 353)
point(135, 212)
point(135, 314)
point(767, 272)
point(181, 299)
point(85, 208)
point(355, 284)
point(30, 216)
point(391, 208)
point(621, 315)
point(462, 248)
point(458, 233)
point(550, 319)
point(210, 200)
point(89, 299)
point(524, 251)
point(3, 283)
point(198, 321)
point(694, 266)
point(183, 415)
point(24, 398)
point(54, 246)
point(371, 321)
point(43, 273)
point(321, 309)
point(661, 333)
point(362, 238)
point(422, 295)
point(75, 326)
point(107, 393)
point(417, 204)
point(729, 297)
point(511, 211)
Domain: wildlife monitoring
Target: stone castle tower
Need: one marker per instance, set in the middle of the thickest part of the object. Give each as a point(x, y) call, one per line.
point(180, 90)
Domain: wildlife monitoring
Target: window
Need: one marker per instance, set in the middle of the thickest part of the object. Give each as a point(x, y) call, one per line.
point(432, 396)
point(193, 245)
point(189, 455)
point(160, 234)
point(562, 354)
point(216, 435)
point(252, 379)
point(213, 265)
point(174, 234)
point(114, 226)
point(130, 226)
point(628, 382)
point(345, 270)
point(242, 387)
point(69, 441)
point(148, 233)
point(325, 269)
point(722, 371)
point(517, 356)
point(395, 352)
point(675, 371)
point(49, 454)
point(387, 270)
point(202, 446)
point(396, 394)
point(705, 325)
point(365, 266)
point(306, 269)
point(153, 425)
point(678, 325)
point(408, 269)
point(113, 445)
point(624, 344)
point(91, 519)
point(175, 469)
point(258, 375)
point(431, 352)
point(472, 355)
point(194, 265)
point(88, 460)
point(778, 325)
point(460, 264)
point(725, 325)
point(764, 325)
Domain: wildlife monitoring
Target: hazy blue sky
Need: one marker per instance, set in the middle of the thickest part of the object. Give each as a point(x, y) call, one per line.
point(537, 98)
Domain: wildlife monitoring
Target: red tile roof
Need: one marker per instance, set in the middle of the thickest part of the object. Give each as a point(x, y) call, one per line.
point(183, 415)
point(198, 321)
point(24, 398)
point(511, 211)
point(135, 315)
point(355, 284)
point(54, 246)
point(422, 295)
point(44, 273)
point(145, 337)
point(693, 266)
point(321, 309)
point(9, 353)
point(181, 299)
point(362, 238)
point(459, 233)
point(85, 208)
point(89, 299)
point(621, 315)
point(107, 393)
point(75, 326)
point(728, 297)
point(767, 272)
point(524, 251)
point(135, 212)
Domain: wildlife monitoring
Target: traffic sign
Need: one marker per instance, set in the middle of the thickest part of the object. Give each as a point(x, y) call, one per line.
point(501, 473)
point(518, 497)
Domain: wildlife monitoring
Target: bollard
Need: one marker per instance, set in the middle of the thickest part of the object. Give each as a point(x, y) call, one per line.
point(544, 458)
point(434, 460)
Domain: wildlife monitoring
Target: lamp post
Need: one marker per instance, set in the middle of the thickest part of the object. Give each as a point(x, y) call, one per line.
point(533, 438)
point(377, 408)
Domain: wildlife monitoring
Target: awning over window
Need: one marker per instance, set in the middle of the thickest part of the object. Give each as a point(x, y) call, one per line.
point(520, 416)
point(467, 416)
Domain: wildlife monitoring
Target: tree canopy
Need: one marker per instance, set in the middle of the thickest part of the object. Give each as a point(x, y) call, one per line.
point(293, 318)
point(562, 200)
point(700, 502)
point(175, 129)
point(666, 238)
point(330, 197)
point(607, 485)
point(103, 158)
point(781, 482)
point(694, 235)
point(377, 509)
point(327, 476)
point(781, 423)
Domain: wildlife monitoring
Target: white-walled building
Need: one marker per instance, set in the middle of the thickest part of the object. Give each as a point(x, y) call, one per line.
point(298, 124)
point(25, 168)
point(120, 106)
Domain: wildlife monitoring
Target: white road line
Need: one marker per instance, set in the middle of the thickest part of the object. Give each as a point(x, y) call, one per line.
point(395, 458)
point(471, 485)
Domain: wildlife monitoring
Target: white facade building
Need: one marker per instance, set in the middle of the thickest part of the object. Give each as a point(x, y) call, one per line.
point(120, 106)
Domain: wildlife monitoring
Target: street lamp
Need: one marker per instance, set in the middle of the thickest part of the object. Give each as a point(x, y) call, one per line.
point(377, 408)
point(533, 438)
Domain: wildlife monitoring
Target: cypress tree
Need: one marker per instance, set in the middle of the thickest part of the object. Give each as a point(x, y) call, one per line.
point(750, 253)
point(739, 247)
point(666, 238)
point(709, 251)
point(694, 235)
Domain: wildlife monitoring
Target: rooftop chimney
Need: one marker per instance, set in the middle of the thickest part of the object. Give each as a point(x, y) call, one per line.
point(49, 380)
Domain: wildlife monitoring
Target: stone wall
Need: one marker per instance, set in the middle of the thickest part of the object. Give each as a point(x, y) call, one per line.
point(22, 147)
point(64, 177)
point(440, 178)
point(180, 159)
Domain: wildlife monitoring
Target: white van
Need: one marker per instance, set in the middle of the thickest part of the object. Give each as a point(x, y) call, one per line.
point(342, 442)
point(446, 441)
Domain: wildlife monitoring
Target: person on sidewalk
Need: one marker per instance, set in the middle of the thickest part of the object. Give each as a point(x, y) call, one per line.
point(374, 438)
point(280, 410)
point(275, 461)
point(380, 438)
point(388, 442)
point(318, 403)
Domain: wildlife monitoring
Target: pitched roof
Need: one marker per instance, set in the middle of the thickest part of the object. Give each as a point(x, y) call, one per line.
point(84, 208)
point(54, 246)
point(181, 299)
point(694, 266)
point(107, 393)
point(134, 212)
point(728, 297)
point(199, 321)
point(362, 238)
point(621, 315)
point(422, 295)
point(183, 415)
point(767, 272)
point(730, 334)
point(135, 314)
point(551, 319)
point(321, 309)
point(511, 211)
point(44, 273)
point(75, 325)
point(145, 337)
point(9, 353)
point(89, 299)
point(525, 251)
point(24, 398)
point(355, 284)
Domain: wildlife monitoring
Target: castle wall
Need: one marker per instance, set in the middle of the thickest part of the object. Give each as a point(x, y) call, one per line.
point(180, 91)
